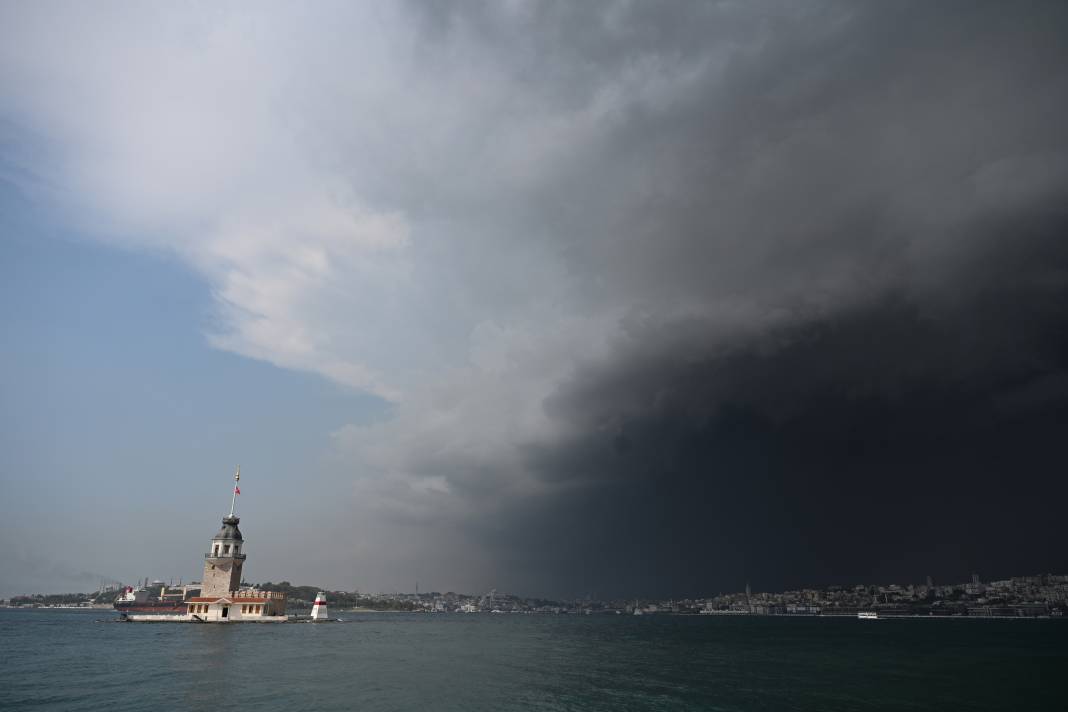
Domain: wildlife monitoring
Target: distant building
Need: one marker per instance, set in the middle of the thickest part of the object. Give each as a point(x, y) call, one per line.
point(974, 588)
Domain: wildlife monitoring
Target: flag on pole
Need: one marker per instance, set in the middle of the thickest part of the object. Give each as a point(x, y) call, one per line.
point(237, 490)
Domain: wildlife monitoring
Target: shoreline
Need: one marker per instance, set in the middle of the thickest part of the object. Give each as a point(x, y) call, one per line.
point(725, 614)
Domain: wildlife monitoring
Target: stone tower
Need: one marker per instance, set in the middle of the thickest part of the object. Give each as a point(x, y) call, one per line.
point(222, 565)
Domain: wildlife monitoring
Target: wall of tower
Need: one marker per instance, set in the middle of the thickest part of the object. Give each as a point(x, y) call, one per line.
point(221, 576)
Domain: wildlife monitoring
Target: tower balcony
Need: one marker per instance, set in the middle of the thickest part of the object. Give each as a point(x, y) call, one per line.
point(239, 557)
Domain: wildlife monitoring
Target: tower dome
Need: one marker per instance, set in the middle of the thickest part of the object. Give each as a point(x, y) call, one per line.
point(229, 530)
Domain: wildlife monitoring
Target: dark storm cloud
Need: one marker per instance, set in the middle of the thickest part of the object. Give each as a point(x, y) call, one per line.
point(881, 444)
point(844, 250)
point(759, 152)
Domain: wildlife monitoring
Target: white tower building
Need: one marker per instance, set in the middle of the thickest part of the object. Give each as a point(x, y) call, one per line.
point(319, 607)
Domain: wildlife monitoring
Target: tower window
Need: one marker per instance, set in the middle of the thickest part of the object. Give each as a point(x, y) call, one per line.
point(226, 549)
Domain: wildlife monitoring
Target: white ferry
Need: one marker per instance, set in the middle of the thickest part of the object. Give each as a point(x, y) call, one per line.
point(868, 615)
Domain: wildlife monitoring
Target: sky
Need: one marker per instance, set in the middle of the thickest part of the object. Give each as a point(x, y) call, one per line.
point(565, 299)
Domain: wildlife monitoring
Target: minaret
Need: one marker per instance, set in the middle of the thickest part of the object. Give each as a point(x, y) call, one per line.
point(222, 564)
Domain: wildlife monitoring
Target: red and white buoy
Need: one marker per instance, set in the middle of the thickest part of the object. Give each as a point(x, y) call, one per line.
point(319, 607)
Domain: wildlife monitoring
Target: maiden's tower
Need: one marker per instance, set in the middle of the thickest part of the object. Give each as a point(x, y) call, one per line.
point(222, 598)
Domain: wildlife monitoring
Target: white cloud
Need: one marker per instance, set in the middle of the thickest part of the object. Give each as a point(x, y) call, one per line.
point(177, 131)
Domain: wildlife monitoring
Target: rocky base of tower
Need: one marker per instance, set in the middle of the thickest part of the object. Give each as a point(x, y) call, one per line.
point(191, 618)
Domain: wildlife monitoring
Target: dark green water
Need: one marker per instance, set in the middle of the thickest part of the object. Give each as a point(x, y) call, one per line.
point(65, 660)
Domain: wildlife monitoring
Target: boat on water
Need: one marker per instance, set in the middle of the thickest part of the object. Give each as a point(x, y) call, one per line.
point(868, 615)
point(144, 599)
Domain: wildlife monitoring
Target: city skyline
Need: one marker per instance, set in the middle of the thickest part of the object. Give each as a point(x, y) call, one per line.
point(548, 297)
point(1031, 596)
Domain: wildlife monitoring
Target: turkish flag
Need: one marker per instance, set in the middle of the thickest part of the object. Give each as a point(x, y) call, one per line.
point(237, 490)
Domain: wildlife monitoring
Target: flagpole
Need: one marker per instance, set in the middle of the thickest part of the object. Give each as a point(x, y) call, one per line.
point(233, 500)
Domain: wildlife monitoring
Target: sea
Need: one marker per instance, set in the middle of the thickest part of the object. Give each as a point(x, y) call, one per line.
point(83, 660)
